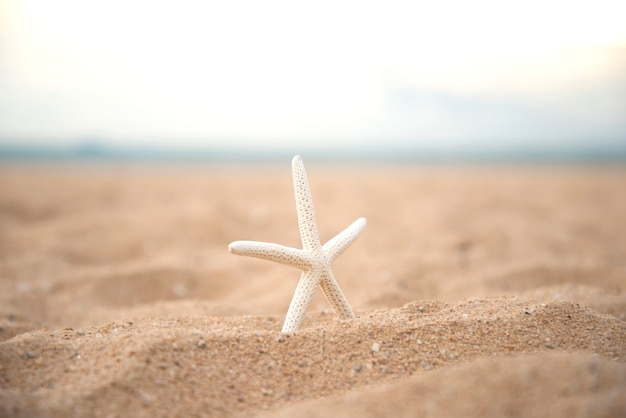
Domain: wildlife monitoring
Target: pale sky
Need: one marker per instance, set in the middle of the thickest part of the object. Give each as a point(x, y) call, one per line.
point(455, 73)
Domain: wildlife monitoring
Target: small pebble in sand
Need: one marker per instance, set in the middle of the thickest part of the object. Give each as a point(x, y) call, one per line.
point(31, 354)
point(282, 336)
point(375, 347)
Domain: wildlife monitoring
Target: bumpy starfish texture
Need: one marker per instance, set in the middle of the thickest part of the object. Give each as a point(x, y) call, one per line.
point(313, 259)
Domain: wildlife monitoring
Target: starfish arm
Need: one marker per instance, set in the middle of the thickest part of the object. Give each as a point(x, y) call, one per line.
point(335, 296)
point(288, 256)
point(301, 300)
point(304, 206)
point(342, 240)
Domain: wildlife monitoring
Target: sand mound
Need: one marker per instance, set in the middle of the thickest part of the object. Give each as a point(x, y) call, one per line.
point(540, 385)
point(222, 366)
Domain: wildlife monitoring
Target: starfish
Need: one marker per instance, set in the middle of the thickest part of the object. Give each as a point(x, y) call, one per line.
point(313, 259)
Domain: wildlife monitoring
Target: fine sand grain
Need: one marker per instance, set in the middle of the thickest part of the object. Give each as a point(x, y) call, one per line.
point(479, 292)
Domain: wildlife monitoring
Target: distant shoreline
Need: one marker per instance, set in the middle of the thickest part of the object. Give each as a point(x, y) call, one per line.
point(394, 155)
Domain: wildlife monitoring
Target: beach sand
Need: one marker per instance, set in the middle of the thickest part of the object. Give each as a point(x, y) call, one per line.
point(479, 291)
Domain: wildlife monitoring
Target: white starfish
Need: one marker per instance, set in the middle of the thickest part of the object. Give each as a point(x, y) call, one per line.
point(313, 259)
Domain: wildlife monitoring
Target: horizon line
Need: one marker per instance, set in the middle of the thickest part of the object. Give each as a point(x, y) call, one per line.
point(99, 151)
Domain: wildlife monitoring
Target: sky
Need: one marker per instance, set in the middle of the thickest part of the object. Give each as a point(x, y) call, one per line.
point(449, 74)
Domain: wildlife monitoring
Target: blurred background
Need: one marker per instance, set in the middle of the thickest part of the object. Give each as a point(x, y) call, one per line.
point(245, 79)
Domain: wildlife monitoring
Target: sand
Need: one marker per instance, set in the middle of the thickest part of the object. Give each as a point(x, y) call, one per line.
point(479, 291)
